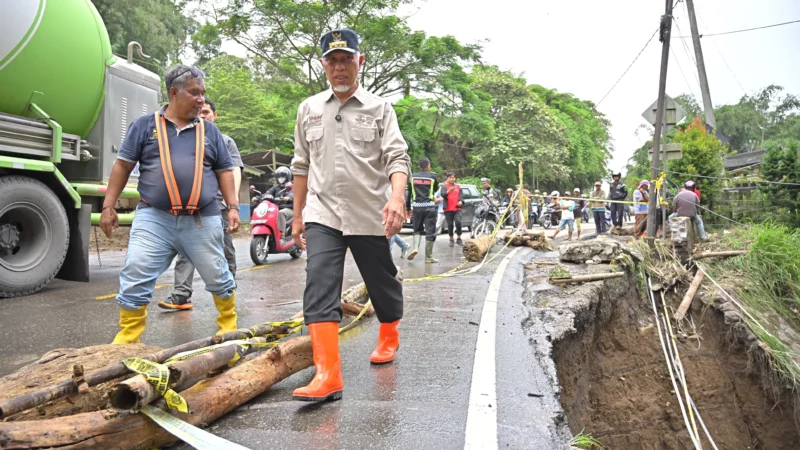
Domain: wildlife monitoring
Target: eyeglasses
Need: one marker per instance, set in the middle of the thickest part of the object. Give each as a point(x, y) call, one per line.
point(197, 73)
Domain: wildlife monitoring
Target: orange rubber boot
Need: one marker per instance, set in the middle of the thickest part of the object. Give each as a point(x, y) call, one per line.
point(388, 343)
point(327, 383)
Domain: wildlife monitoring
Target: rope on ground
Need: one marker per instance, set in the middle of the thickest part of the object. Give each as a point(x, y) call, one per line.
point(695, 441)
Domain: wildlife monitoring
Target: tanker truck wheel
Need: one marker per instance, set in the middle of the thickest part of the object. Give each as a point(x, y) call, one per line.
point(34, 235)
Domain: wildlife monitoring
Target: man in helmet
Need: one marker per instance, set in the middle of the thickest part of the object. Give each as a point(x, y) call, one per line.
point(283, 196)
point(488, 191)
point(617, 192)
point(181, 295)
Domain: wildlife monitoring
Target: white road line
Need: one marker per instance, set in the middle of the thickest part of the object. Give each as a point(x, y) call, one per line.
point(482, 413)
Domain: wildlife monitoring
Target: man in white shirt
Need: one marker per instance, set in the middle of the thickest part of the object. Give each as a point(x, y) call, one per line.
point(567, 217)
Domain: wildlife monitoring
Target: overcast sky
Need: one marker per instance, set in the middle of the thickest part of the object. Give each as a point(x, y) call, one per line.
point(583, 46)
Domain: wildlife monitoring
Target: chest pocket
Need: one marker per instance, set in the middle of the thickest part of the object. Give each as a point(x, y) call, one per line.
point(314, 138)
point(365, 141)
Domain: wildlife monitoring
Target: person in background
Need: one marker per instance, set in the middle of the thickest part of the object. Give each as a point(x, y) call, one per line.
point(506, 201)
point(567, 217)
point(617, 192)
point(538, 201)
point(423, 187)
point(684, 206)
point(641, 197)
point(578, 212)
point(453, 200)
point(489, 191)
point(626, 209)
point(181, 295)
point(597, 200)
point(396, 239)
point(440, 218)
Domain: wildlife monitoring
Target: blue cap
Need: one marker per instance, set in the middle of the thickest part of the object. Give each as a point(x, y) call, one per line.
point(343, 39)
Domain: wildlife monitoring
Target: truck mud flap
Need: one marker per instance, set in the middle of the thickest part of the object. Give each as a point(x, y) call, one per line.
point(76, 264)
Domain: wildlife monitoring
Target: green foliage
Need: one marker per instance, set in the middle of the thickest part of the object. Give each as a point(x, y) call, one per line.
point(702, 155)
point(256, 119)
point(769, 108)
point(582, 440)
point(161, 26)
point(781, 164)
point(689, 103)
point(767, 280)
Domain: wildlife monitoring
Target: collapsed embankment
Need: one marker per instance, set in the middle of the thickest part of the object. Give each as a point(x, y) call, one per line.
point(613, 380)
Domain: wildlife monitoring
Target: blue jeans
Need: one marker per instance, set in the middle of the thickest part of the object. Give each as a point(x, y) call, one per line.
point(566, 223)
point(396, 239)
point(156, 238)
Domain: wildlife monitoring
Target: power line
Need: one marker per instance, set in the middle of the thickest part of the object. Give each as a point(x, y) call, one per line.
point(719, 50)
point(629, 67)
point(694, 175)
point(741, 31)
point(682, 74)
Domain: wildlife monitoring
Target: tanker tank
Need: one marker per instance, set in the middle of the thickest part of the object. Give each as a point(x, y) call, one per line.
point(59, 48)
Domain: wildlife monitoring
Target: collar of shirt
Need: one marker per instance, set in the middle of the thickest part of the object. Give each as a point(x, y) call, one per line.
point(191, 124)
point(360, 94)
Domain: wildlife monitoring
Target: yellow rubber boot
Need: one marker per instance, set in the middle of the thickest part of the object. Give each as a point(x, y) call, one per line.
point(226, 320)
point(132, 324)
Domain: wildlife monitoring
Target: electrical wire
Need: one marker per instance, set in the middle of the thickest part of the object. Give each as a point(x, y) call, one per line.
point(682, 73)
point(629, 67)
point(743, 30)
point(694, 175)
point(719, 50)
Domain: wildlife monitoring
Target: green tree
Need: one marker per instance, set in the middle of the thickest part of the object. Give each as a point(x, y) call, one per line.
point(781, 164)
point(702, 155)
point(286, 33)
point(763, 114)
point(689, 103)
point(254, 117)
point(525, 131)
point(161, 26)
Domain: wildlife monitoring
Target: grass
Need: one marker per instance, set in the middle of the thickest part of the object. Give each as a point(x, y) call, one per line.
point(582, 440)
point(767, 281)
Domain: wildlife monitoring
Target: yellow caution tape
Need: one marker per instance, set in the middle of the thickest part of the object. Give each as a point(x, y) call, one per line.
point(197, 438)
point(158, 376)
point(358, 317)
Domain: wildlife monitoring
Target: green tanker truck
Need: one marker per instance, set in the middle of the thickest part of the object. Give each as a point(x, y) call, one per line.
point(65, 105)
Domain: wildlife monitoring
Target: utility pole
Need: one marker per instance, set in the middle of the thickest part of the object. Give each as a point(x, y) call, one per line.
point(664, 36)
point(708, 108)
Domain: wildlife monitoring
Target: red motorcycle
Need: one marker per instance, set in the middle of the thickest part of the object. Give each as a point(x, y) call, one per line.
point(268, 238)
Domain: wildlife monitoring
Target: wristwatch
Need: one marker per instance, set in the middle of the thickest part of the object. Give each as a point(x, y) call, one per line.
point(236, 207)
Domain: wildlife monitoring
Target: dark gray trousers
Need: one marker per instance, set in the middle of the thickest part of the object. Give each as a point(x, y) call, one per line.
point(424, 222)
point(326, 249)
point(184, 270)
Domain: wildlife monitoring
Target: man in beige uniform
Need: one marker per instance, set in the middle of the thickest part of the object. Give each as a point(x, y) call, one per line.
point(348, 151)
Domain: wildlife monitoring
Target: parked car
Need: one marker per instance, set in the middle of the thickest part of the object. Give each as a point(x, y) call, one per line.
point(472, 197)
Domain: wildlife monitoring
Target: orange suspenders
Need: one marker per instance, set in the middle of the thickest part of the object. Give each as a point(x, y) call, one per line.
point(169, 175)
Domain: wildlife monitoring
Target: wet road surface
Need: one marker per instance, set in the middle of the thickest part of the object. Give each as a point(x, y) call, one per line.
point(422, 400)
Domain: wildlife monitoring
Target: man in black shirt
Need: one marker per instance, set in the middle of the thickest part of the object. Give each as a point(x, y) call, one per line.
point(619, 192)
point(422, 188)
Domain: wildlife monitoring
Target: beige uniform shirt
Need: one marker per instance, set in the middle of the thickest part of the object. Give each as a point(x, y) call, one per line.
point(349, 161)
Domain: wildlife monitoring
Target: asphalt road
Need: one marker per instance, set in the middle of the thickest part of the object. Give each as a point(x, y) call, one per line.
point(422, 400)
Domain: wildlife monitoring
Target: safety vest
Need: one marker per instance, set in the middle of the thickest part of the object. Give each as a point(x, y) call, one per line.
point(169, 175)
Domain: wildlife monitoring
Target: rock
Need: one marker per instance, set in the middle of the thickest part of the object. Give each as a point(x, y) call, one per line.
point(600, 250)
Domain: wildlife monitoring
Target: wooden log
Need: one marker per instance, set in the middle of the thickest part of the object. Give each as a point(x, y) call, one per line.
point(687, 299)
point(585, 278)
point(66, 387)
point(476, 249)
point(719, 254)
point(208, 400)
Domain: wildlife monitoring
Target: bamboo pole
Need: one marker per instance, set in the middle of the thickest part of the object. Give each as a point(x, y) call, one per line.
point(719, 254)
point(586, 278)
point(687, 299)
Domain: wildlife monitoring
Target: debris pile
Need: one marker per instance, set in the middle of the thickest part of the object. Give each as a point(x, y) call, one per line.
point(532, 239)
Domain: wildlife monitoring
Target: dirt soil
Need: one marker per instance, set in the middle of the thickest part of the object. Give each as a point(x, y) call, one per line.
point(119, 240)
point(57, 365)
point(615, 385)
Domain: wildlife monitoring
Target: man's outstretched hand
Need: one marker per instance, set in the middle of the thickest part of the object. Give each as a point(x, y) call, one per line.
point(299, 232)
point(394, 214)
point(109, 221)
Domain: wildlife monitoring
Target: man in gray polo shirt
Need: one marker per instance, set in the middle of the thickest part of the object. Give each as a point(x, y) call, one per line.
point(184, 270)
point(183, 162)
